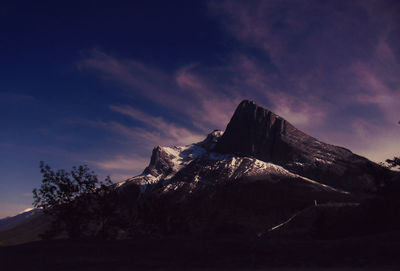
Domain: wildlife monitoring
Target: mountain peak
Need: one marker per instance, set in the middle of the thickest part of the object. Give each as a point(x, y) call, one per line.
point(255, 131)
point(247, 103)
point(250, 114)
point(248, 106)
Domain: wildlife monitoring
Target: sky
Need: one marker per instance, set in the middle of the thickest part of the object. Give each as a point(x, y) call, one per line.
point(103, 82)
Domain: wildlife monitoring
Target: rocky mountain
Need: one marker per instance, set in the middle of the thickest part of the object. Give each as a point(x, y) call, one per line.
point(260, 144)
point(257, 132)
point(252, 177)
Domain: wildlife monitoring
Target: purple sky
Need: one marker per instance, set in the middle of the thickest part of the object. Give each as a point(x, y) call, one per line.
point(106, 85)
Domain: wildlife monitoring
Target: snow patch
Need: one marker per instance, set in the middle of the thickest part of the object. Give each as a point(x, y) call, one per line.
point(322, 161)
point(180, 156)
point(26, 210)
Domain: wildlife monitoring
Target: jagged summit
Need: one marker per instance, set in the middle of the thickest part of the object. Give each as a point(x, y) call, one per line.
point(257, 132)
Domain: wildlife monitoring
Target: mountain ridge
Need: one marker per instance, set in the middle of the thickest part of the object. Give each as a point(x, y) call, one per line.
point(256, 132)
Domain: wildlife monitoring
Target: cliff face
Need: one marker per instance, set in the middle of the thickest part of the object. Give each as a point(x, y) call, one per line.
point(257, 132)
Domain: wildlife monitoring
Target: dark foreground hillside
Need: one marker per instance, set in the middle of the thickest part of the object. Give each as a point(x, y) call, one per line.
point(379, 252)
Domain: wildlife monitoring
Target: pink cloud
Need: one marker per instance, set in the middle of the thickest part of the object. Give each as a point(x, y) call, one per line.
point(123, 163)
point(141, 79)
point(372, 88)
point(369, 139)
point(217, 112)
point(214, 106)
point(184, 91)
point(384, 52)
point(301, 108)
point(299, 112)
point(185, 79)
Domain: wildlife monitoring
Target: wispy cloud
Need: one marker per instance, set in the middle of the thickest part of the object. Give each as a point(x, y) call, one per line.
point(182, 91)
point(161, 130)
point(299, 112)
point(141, 79)
point(373, 88)
point(123, 163)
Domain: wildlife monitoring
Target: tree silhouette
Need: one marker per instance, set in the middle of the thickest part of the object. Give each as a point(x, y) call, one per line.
point(390, 187)
point(78, 203)
point(393, 163)
point(107, 219)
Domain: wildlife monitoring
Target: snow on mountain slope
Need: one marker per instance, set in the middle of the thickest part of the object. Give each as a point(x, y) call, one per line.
point(258, 144)
point(193, 164)
point(213, 168)
point(167, 161)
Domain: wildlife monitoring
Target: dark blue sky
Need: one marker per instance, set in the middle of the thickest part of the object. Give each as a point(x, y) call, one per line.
point(101, 83)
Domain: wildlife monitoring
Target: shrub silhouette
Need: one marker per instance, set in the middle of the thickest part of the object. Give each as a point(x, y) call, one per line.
point(79, 205)
point(393, 163)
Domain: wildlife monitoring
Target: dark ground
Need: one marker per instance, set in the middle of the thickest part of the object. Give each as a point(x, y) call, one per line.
point(378, 252)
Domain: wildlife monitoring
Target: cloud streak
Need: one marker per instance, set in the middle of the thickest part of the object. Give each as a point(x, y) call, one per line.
point(182, 91)
point(122, 163)
point(164, 132)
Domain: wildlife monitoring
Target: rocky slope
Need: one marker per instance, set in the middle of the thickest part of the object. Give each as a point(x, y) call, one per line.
point(257, 174)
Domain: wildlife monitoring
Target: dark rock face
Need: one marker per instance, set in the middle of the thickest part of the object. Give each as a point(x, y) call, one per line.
point(257, 132)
